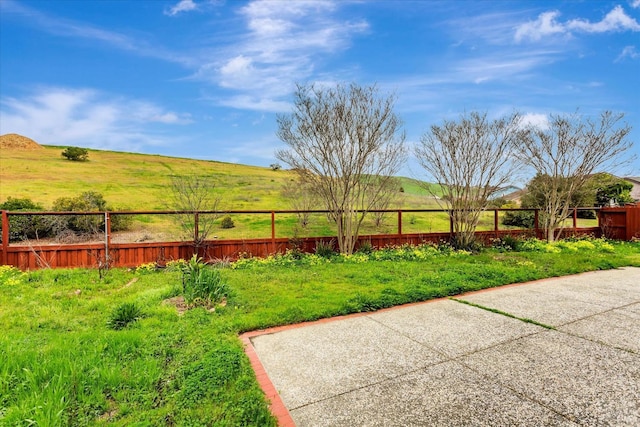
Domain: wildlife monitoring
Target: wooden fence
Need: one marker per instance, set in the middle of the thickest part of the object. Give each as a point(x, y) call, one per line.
point(620, 224)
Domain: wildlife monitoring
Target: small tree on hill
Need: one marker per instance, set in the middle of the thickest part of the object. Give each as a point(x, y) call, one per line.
point(76, 154)
point(568, 152)
point(345, 143)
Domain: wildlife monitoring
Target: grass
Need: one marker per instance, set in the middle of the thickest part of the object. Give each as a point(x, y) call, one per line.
point(61, 364)
point(130, 181)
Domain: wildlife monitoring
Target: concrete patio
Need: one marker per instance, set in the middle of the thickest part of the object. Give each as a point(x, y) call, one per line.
point(570, 355)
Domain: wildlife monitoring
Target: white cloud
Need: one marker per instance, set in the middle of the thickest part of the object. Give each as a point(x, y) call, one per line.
point(281, 43)
point(86, 118)
point(181, 6)
point(616, 20)
point(628, 52)
point(635, 4)
point(547, 25)
point(537, 120)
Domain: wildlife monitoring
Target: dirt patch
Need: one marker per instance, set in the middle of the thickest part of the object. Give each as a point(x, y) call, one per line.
point(13, 141)
point(179, 303)
point(181, 306)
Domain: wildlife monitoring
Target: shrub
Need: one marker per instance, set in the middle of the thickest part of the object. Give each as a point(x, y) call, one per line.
point(275, 166)
point(121, 222)
point(201, 284)
point(365, 248)
point(26, 226)
point(89, 201)
point(506, 243)
point(76, 154)
point(227, 222)
point(123, 315)
point(325, 249)
point(522, 219)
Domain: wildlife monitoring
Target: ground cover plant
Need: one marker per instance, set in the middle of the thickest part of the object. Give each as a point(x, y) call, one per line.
point(62, 363)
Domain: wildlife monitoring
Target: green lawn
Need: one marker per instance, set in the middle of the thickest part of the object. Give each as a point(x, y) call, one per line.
point(61, 365)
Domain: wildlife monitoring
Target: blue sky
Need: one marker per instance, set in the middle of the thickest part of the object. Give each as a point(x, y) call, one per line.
point(206, 78)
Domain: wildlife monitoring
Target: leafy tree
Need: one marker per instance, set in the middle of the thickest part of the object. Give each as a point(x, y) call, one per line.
point(345, 143)
point(610, 189)
point(76, 154)
point(471, 159)
point(568, 151)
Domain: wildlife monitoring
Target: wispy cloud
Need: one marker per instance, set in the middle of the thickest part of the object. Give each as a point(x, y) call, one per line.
point(628, 52)
point(635, 3)
point(88, 118)
point(547, 24)
point(279, 45)
point(62, 27)
point(502, 65)
point(181, 6)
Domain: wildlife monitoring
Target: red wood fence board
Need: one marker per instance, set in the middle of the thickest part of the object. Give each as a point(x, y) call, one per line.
point(617, 223)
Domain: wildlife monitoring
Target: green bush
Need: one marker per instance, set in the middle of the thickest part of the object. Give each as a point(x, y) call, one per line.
point(325, 249)
point(121, 222)
point(22, 227)
point(76, 154)
point(201, 284)
point(522, 219)
point(227, 222)
point(123, 315)
point(506, 243)
point(89, 201)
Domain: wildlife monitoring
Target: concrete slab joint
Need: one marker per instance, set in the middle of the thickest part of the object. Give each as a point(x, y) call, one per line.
point(562, 351)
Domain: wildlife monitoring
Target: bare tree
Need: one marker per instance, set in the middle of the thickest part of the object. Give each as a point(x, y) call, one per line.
point(567, 153)
point(345, 142)
point(302, 199)
point(470, 159)
point(189, 195)
point(388, 197)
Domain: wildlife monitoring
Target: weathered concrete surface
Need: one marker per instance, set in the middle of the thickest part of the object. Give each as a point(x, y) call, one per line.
point(448, 364)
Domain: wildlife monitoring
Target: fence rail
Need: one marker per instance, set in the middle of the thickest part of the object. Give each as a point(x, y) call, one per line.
point(621, 223)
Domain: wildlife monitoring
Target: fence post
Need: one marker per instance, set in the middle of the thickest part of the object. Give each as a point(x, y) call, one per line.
point(196, 228)
point(575, 219)
point(107, 235)
point(399, 222)
point(495, 222)
point(5, 237)
point(273, 231)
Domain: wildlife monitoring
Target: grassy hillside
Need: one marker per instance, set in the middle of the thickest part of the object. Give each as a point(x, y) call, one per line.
point(139, 181)
point(130, 181)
